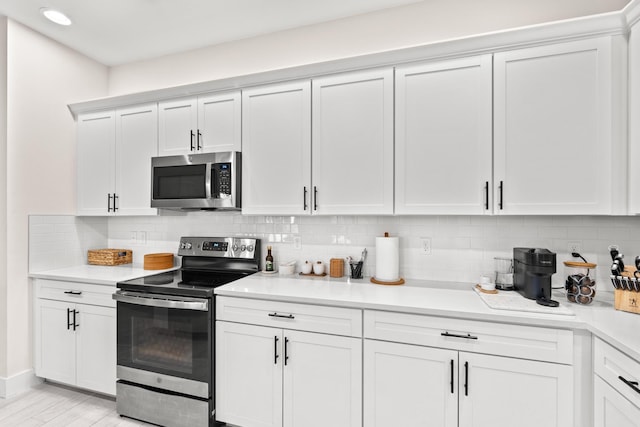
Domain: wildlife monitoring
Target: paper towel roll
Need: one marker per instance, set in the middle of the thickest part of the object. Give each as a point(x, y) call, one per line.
point(387, 259)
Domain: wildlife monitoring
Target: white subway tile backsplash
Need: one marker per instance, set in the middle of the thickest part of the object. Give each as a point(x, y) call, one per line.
point(463, 247)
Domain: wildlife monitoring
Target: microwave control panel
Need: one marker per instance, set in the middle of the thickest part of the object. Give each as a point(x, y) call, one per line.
point(222, 184)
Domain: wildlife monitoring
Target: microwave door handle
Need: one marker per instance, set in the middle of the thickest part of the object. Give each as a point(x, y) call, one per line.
point(207, 184)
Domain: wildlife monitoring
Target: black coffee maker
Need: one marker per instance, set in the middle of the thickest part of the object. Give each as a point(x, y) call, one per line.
point(533, 268)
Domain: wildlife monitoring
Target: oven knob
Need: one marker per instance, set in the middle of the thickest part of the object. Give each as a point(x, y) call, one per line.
point(250, 248)
point(186, 245)
point(235, 248)
point(243, 248)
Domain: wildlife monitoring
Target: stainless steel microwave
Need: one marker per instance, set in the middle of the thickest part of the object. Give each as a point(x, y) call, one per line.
point(197, 181)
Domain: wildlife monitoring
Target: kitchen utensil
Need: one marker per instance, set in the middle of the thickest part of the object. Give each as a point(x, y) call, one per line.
point(356, 269)
point(613, 251)
point(637, 262)
point(503, 273)
point(614, 282)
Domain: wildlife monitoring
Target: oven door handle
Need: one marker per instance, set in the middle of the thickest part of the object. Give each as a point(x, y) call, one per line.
point(163, 301)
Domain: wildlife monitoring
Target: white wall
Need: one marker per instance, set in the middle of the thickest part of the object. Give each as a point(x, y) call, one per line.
point(42, 78)
point(415, 24)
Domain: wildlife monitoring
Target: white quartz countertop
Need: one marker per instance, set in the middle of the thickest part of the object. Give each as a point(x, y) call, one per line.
point(97, 274)
point(448, 299)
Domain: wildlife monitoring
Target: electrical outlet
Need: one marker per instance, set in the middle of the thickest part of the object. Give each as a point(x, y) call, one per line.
point(142, 238)
point(297, 242)
point(425, 244)
point(574, 247)
point(134, 238)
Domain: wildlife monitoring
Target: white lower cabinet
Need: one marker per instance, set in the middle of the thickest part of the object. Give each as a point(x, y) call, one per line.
point(411, 383)
point(616, 391)
point(273, 374)
point(75, 341)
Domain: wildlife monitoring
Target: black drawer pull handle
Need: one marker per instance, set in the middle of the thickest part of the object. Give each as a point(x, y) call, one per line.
point(73, 292)
point(275, 350)
point(283, 316)
point(632, 384)
point(466, 378)
point(467, 337)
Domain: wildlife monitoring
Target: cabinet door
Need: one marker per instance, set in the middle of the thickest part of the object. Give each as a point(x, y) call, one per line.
point(55, 347)
point(136, 143)
point(503, 392)
point(178, 124)
point(634, 124)
point(248, 375)
point(276, 149)
point(407, 385)
point(611, 409)
point(322, 380)
point(353, 143)
point(95, 163)
point(553, 129)
point(219, 123)
point(96, 348)
point(444, 137)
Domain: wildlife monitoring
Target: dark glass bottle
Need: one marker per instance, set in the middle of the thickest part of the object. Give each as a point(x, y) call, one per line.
point(268, 266)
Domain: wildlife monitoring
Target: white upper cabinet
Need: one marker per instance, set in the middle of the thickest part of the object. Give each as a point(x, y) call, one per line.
point(634, 124)
point(443, 145)
point(353, 143)
point(276, 128)
point(114, 161)
point(205, 124)
point(559, 129)
point(96, 158)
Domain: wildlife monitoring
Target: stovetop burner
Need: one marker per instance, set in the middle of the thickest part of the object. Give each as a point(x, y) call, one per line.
point(207, 262)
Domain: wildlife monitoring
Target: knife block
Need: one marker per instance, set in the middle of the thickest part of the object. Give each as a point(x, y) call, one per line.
point(625, 300)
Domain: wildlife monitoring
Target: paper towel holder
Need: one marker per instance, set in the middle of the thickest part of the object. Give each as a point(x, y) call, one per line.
point(400, 281)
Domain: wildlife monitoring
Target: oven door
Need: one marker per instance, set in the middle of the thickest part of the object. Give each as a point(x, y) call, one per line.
point(167, 335)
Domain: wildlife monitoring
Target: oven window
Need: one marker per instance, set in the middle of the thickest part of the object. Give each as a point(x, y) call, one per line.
point(179, 182)
point(169, 341)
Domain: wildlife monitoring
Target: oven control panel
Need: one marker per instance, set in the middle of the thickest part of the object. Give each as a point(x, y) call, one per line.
point(220, 247)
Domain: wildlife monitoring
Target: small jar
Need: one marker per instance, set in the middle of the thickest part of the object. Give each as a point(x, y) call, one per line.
point(580, 283)
point(318, 268)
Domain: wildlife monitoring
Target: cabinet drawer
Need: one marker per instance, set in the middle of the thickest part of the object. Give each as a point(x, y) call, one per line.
point(303, 317)
point(526, 342)
point(618, 369)
point(75, 292)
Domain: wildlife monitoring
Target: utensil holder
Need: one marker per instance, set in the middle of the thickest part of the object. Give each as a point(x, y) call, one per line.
point(356, 269)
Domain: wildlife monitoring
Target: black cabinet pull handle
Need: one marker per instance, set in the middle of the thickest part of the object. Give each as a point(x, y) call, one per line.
point(284, 316)
point(466, 378)
point(315, 198)
point(73, 292)
point(501, 190)
point(198, 146)
point(486, 195)
point(451, 383)
point(108, 202)
point(632, 384)
point(275, 350)
point(68, 319)
point(115, 206)
point(75, 325)
point(468, 336)
point(191, 138)
point(304, 199)
point(286, 354)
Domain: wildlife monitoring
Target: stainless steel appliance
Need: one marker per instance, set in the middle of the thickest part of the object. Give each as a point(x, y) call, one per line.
point(166, 332)
point(197, 181)
point(533, 268)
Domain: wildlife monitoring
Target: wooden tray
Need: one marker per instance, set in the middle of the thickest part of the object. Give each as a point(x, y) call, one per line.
point(313, 274)
point(400, 281)
point(159, 261)
point(484, 291)
point(109, 256)
point(627, 300)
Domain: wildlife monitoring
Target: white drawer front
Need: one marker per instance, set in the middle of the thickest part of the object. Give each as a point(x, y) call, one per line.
point(84, 293)
point(611, 364)
point(526, 342)
point(303, 317)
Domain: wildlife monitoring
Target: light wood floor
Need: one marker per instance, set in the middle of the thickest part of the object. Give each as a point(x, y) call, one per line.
point(54, 405)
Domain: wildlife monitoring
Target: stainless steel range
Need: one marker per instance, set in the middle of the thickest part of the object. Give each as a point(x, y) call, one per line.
point(166, 332)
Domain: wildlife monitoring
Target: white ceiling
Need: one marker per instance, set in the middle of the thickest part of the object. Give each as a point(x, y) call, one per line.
point(120, 31)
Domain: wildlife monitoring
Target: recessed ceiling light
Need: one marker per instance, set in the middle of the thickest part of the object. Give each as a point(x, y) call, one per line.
point(55, 16)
